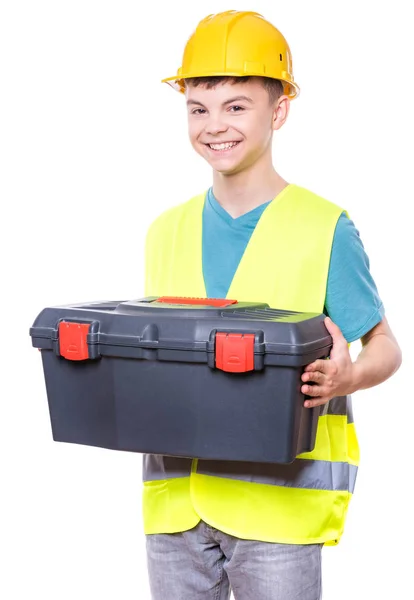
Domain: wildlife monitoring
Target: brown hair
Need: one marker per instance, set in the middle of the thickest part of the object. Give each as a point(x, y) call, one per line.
point(274, 87)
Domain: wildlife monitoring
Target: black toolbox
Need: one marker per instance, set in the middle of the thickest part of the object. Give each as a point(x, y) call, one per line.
point(201, 378)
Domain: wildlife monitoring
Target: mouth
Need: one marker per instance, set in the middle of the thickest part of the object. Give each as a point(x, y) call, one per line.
point(223, 148)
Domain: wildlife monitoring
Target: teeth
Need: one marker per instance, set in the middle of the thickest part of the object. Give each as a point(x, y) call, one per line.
point(224, 146)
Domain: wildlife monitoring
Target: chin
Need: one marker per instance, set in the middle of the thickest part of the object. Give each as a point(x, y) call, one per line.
point(227, 169)
point(225, 166)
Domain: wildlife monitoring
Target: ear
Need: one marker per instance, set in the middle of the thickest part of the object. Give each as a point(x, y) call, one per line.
point(281, 112)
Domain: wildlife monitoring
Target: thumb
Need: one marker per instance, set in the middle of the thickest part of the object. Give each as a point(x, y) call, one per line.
point(339, 342)
point(337, 337)
point(332, 328)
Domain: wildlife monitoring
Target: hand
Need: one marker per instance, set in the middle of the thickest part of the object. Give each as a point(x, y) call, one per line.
point(331, 377)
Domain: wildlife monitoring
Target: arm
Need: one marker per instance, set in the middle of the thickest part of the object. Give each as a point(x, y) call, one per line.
point(379, 358)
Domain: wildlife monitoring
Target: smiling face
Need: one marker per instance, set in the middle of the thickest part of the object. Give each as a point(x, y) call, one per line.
point(231, 125)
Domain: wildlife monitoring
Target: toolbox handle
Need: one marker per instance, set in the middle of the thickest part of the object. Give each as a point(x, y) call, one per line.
point(217, 302)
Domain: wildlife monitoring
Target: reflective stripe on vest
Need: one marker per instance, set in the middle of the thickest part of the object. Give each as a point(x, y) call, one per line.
point(310, 474)
point(158, 467)
point(341, 405)
point(285, 265)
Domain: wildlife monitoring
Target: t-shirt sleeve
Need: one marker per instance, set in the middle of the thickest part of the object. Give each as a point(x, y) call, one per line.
point(352, 300)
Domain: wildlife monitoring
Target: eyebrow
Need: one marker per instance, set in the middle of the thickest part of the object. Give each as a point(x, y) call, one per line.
point(230, 101)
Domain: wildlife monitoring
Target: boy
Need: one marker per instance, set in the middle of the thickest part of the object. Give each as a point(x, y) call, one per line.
point(258, 529)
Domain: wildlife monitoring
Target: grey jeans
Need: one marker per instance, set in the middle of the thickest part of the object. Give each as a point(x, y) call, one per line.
point(205, 564)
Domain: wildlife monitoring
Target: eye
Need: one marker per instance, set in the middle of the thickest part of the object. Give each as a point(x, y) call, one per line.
point(236, 108)
point(198, 111)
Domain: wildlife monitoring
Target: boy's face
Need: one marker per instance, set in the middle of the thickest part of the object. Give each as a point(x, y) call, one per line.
point(231, 125)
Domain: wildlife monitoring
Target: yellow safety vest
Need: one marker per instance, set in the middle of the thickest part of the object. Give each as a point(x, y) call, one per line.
point(286, 265)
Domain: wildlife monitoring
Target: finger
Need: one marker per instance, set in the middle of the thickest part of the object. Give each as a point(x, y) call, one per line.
point(312, 390)
point(318, 365)
point(316, 402)
point(315, 376)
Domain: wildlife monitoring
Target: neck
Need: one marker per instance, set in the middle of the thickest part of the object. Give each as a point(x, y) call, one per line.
point(242, 192)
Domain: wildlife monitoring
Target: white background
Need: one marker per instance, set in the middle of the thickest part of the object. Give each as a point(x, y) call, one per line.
point(93, 148)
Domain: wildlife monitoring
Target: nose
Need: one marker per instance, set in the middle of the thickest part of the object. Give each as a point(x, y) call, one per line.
point(215, 125)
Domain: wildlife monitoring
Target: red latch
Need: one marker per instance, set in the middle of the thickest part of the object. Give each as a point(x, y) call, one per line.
point(218, 302)
point(73, 340)
point(235, 352)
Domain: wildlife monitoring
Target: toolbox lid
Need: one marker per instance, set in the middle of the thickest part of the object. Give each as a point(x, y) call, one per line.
point(182, 324)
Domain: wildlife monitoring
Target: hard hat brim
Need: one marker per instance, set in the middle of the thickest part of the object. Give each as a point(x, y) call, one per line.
point(179, 85)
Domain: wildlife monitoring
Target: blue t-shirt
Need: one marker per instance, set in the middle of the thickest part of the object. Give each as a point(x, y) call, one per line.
point(352, 300)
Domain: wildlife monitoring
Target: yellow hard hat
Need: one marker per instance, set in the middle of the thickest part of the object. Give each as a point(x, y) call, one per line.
point(236, 44)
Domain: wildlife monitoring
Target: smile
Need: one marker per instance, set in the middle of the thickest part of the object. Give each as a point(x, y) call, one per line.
point(224, 147)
